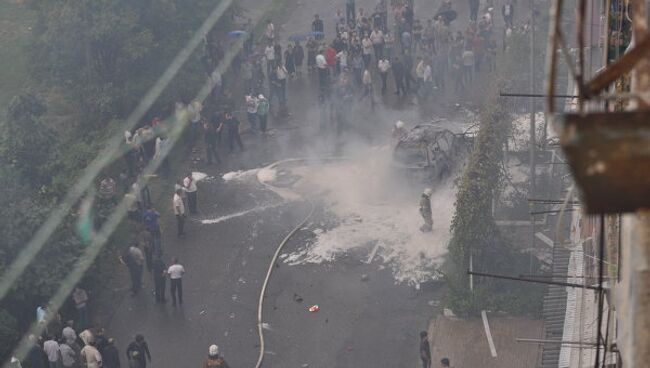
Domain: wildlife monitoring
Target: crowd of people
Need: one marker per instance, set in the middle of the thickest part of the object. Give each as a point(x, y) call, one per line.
point(387, 46)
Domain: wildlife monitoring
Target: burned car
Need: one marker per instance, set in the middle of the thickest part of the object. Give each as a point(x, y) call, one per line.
point(430, 152)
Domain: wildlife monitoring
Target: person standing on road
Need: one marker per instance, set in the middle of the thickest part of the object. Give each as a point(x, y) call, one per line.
point(189, 185)
point(150, 218)
point(398, 74)
point(68, 355)
point(251, 112)
point(142, 348)
point(210, 138)
point(179, 212)
point(508, 11)
point(214, 359)
point(318, 27)
point(111, 355)
point(53, 352)
point(263, 112)
point(176, 272)
point(425, 211)
point(128, 258)
point(232, 125)
point(91, 356)
point(159, 271)
point(350, 11)
point(80, 298)
point(383, 66)
point(298, 57)
point(425, 350)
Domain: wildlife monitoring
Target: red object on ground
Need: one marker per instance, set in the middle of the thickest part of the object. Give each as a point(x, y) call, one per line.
point(314, 308)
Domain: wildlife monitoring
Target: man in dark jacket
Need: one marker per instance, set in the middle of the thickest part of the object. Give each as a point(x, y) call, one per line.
point(140, 346)
point(398, 73)
point(318, 27)
point(110, 356)
point(159, 271)
point(425, 350)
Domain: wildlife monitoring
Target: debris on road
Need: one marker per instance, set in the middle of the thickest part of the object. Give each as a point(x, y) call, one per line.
point(314, 308)
point(297, 298)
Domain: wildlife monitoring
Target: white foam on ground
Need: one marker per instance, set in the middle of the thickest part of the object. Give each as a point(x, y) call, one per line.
point(239, 175)
point(267, 175)
point(375, 209)
point(239, 214)
point(198, 176)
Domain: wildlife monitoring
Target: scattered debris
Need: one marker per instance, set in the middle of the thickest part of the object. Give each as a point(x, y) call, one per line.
point(448, 313)
point(314, 308)
point(202, 312)
point(266, 326)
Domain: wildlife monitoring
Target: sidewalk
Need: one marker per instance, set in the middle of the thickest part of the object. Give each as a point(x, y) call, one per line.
point(465, 343)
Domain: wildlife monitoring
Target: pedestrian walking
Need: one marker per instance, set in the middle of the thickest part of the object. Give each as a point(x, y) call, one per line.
point(263, 107)
point(80, 298)
point(508, 12)
point(214, 360)
point(140, 347)
point(176, 272)
point(425, 211)
point(312, 51)
point(159, 272)
point(270, 31)
point(179, 211)
point(111, 357)
point(232, 126)
point(189, 185)
point(281, 73)
point(425, 350)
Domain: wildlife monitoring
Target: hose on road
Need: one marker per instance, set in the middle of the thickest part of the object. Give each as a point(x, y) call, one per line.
point(260, 305)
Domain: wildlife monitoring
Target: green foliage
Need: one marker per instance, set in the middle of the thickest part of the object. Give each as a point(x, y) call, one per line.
point(475, 232)
point(92, 60)
point(25, 142)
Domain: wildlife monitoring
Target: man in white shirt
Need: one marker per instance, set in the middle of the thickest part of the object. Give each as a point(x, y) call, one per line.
point(269, 53)
point(189, 184)
point(176, 272)
point(383, 67)
point(179, 211)
point(51, 348)
point(377, 38)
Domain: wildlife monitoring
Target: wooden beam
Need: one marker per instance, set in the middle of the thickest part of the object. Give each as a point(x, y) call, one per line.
point(618, 68)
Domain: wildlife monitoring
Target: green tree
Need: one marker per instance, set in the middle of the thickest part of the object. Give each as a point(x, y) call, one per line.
point(26, 142)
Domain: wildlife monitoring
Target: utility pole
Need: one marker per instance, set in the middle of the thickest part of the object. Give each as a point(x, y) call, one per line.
point(533, 176)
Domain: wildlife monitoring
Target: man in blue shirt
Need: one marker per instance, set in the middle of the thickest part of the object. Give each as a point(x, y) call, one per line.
point(150, 219)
